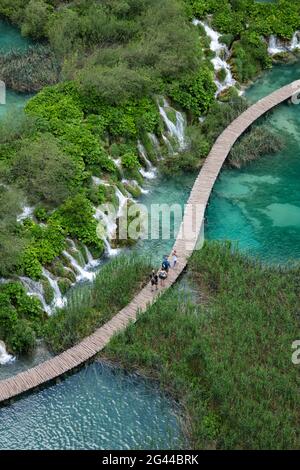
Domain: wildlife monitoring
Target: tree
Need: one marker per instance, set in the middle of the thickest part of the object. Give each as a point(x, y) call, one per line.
point(37, 15)
point(44, 172)
point(11, 242)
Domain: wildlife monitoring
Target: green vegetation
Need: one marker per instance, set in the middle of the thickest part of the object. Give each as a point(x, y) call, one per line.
point(244, 24)
point(21, 318)
point(113, 288)
point(228, 359)
point(257, 142)
point(31, 70)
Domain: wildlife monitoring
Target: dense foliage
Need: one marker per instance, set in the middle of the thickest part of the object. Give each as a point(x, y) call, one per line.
point(227, 359)
point(21, 318)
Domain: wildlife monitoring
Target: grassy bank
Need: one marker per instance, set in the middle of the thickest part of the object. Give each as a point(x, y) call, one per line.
point(89, 308)
point(229, 359)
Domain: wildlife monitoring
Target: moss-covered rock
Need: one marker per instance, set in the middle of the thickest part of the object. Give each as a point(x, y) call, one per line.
point(48, 291)
point(64, 285)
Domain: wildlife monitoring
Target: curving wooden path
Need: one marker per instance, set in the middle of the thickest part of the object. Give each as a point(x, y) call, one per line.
point(191, 233)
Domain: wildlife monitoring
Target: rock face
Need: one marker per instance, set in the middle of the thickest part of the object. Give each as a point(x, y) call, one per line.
point(4, 356)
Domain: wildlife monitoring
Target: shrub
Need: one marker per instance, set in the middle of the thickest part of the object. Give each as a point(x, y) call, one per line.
point(43, 171)
point(195, 92)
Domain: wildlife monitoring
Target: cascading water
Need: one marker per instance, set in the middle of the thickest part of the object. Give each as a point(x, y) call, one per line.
point(155, 143)
point(5, 358)
point(35, 289)
point(59, 301)
point(26, 212)
point(98, 181)
point(83, 274)
point(151, 173)
point(91, 262)
point(220, 60)
point(122, 202)
point(277, 46)
point(177, 129)
point(168, 144)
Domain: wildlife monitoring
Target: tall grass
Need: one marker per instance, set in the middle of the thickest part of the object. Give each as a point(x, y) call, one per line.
point(92, 306)
point(229, 361)
point(257, 142)
point(31, 70)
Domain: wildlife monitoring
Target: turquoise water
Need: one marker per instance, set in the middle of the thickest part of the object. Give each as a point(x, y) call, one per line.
point(100, 407)
point(97, 408)
point(10, 36)
point(259, 205)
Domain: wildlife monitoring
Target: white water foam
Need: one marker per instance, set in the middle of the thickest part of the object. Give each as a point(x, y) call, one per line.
point(59, 301)
point(151, 173)
point(83, 274)
point(220, 60)
point(5, 358)
point(177, 129)
point(277, 46)
point(27, 212)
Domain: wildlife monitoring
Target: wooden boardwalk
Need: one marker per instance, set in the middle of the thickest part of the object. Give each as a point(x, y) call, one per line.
point(191, 233)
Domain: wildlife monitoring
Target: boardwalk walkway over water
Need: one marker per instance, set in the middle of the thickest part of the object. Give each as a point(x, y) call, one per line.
point(191, 230)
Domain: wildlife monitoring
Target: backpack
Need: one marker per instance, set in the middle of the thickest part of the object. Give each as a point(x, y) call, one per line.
point(165, 264)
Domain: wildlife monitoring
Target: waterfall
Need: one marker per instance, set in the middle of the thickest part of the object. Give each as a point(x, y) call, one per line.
point(177, 129)
point(295, 43)
point(109, 221)
point(98, 181)
point(277, 46)
point(155, 143)
point(151, 173)
point(91, 261)
point(83, 274)
point(136, 184)
point(220, 60)
point(59, 301)
point(122, 202)
point(35, 289)
point(109, 250)
point(168, 144)
point(5, 358)
point(27, 211)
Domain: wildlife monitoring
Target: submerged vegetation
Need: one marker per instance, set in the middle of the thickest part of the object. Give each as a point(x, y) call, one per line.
point(227, 358)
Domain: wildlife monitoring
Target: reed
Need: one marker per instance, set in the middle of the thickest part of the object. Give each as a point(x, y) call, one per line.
point(29, 71)
point(90, 307)
point(228, 359)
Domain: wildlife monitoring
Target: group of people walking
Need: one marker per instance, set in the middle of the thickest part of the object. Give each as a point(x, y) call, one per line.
point(162, 274)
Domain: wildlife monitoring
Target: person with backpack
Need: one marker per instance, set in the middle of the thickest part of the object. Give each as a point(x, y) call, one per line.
point(154, 280)
point(166, 264)
point(162, 276)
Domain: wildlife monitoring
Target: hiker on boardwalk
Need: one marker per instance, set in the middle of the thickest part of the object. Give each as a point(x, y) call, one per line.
point(166, 264)
point(154, 280)
point(175, 258)
point(162, 276)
